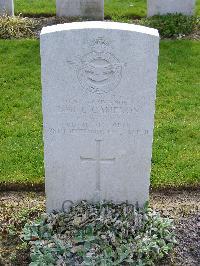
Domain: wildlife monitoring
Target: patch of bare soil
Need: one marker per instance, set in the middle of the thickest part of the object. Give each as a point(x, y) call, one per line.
point(184, 207)
point(49, 21)
point(16, 208)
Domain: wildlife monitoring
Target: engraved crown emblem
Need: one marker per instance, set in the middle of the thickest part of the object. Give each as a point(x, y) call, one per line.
point(100, 45)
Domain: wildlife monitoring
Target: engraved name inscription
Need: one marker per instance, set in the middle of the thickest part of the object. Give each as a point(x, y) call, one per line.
point(102, 106)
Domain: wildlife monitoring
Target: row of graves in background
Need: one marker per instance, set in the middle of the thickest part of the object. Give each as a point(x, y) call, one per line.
point(94, 9)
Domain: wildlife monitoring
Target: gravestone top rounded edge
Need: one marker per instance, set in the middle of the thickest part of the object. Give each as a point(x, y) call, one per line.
point(99, 25)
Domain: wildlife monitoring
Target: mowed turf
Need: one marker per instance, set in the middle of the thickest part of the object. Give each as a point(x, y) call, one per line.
point(176, 149)
point(21, 156)
point(114, 9)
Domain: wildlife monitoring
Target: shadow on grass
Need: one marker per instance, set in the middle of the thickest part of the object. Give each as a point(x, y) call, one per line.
point(31, 15)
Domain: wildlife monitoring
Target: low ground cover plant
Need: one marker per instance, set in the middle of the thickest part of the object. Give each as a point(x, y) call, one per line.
point(172, 25)
point(100, 234)
point(16, 27)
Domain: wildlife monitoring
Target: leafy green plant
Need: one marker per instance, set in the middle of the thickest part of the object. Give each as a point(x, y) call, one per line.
point(100, 234)
point(172, 25)
point(16, 27)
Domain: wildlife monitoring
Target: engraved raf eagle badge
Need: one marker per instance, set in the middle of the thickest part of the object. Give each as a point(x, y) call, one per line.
point(99, 71)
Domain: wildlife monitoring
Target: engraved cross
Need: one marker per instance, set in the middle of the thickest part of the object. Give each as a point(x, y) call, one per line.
point(98, 159)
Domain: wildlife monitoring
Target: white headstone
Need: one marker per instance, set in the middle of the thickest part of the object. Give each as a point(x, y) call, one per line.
point(90, 9)
point(162, 7)
point(99, 88)
point(6, 7)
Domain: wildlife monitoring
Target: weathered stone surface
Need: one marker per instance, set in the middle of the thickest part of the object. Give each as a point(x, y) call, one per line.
point(6, 7)
point(90, 9)
point(162, 7)
point(99, 89)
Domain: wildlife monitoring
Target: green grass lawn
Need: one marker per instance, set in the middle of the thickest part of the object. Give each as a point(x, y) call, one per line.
point(113, 8)
point(38, 7)
point(21, 156)
point(176, 150)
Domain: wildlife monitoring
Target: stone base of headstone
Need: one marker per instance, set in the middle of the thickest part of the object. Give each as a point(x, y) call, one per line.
point(6, 7)
point(89, 9)
point(163, 7)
